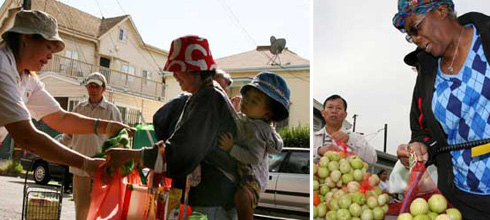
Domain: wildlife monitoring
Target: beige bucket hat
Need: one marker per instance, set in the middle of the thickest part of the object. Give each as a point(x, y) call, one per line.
point(37, 22)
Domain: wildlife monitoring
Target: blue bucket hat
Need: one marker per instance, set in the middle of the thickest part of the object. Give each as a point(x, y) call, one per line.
point(409, 7)
point(276, 88)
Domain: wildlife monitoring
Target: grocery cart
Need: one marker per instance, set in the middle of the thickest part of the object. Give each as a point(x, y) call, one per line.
point(41, 202)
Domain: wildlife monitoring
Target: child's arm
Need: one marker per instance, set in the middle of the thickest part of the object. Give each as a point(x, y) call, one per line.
point(251, 154)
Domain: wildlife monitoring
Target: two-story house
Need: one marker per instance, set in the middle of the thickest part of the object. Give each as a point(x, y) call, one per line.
point(111, 46)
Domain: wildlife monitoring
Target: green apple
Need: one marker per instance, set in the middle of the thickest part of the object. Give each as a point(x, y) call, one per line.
point(454, 214)
point(357, 163)
point(357, 174)
point(333, 165)
point(367, 215)
point(378, 213)
point(315, 212)
point(372, 202)
point(347, 178)
point(442, 217)
point(405, 216)
point(323, 172)
point(331, 215)
point(316, 185)
point(324, 189)
point(345, 201)
point(322, 210)
point(355, 210)
point(437, 203)
point(343, 214)
point(323, 161)
point(432, 215)
point(419, 206)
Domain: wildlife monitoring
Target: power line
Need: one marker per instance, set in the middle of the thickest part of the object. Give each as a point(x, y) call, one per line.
point(237, 22)
point(144, 44)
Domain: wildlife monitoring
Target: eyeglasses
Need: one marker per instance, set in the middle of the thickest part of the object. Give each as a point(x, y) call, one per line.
point(414, 30)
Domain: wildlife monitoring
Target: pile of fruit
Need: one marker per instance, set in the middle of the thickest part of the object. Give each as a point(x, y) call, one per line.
point(343, 189)
point(433, 209)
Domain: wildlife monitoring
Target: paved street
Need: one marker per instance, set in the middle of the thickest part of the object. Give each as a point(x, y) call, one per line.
point(11, 194)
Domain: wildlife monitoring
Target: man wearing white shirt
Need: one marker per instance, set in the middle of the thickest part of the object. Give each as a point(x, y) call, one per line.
point(334, 113)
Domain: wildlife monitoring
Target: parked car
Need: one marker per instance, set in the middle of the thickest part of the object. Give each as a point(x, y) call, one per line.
point(44, 171)
point(289, 181)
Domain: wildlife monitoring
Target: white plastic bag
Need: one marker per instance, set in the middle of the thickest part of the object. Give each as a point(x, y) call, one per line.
point(400, 175)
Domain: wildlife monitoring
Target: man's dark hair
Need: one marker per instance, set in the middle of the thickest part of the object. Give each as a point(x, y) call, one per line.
point(381, 172)
point(333, 97)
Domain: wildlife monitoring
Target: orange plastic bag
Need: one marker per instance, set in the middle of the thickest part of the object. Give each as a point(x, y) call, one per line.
point(107, 199)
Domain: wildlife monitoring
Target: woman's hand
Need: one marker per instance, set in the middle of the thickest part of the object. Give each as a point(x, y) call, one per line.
point(113, 127)
point(419, 149)
point(226, 142)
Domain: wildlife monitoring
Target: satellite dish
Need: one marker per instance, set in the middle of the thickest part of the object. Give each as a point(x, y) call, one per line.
point(277, 45)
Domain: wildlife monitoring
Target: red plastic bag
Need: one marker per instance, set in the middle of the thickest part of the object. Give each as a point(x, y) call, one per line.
point(107, 199)
point(420, 185)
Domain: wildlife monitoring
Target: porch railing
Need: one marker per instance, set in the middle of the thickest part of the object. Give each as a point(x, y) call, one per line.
point(77, 69)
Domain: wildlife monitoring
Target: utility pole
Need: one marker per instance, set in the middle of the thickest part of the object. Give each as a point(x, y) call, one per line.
point(354, 124)
point(26, 5)
point(386, 137)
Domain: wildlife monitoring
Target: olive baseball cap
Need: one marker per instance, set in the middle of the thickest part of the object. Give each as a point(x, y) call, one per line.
point(37, 22)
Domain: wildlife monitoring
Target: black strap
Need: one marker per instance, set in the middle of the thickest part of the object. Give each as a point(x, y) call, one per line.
point(461, 146)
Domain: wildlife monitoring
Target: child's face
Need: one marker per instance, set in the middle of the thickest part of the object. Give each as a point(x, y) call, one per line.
point(255, 104)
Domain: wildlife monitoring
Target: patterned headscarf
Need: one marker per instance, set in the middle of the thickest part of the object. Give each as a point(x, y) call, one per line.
point(409, 7)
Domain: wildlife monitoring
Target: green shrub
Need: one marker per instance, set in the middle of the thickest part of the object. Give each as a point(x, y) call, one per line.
point(295, 136)
point(12, 168)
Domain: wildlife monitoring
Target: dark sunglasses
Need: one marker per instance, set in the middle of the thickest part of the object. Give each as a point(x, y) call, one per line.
point(413, 30)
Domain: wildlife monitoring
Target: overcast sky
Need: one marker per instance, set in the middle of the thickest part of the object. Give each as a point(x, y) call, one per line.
point(231, 26)
point(358, 54)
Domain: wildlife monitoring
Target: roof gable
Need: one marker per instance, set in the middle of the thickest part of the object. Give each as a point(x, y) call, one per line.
point(108, 23)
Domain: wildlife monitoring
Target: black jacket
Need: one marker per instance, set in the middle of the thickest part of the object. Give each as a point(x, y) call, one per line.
point(426, 129)
point(195, 142)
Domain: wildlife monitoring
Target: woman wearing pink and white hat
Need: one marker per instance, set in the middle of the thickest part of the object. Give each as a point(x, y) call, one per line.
point(207, 113)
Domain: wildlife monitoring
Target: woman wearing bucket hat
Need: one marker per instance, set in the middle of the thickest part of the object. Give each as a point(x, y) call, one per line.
point(265, 100)
point(25, 49)
point(194, 141)
point(450, 102)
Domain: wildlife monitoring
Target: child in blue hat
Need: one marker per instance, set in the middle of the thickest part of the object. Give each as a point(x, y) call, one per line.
point(265, 100)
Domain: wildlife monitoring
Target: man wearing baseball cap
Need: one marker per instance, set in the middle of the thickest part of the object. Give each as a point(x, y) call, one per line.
point(96, 106)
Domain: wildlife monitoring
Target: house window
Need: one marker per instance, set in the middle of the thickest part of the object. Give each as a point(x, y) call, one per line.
point(126, 68)
point(122, 34)
point(146, 76)
point(133, 117)
point(122, 110)
point(70, 65)
point(129, 116)
point(72, 104)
